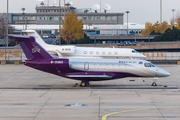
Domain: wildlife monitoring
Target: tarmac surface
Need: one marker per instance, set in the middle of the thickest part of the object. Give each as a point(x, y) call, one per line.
point(28, 94)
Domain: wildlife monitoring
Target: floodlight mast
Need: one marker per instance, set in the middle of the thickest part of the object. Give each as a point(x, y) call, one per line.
point(160, 11)
point(59, 22)
point(23, 9)
point(7, 20)
point(64, 8)
point(173, 16)
point(100, 6)
point(127, 20)
point(7, 27)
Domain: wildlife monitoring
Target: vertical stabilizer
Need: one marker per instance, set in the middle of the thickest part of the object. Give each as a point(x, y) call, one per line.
point(31, 48)
point(38, 38)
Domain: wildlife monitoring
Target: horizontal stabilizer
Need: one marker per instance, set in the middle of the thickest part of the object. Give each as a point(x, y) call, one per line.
point(19, 36)
point(31, 48)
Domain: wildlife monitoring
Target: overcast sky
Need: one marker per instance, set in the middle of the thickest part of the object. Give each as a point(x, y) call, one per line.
point(141, 11)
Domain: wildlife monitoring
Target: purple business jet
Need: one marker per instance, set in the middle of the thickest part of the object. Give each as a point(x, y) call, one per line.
point(85, 69)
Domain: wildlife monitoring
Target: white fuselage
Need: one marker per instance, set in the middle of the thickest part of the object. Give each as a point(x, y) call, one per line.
point(84, 52)
point(131, 66)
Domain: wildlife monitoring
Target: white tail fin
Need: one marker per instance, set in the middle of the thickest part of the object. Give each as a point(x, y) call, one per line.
point(38, 38)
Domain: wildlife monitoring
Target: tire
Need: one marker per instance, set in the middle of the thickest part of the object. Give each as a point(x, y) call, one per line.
point(83, 84)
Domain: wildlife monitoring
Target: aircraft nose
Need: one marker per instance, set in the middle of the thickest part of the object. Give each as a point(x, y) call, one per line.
point(143, 56)
point(162, 73)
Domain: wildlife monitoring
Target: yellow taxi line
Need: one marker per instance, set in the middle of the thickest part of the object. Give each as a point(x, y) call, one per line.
point(105, 116)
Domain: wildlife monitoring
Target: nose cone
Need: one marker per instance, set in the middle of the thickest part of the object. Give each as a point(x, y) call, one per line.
point(142, 56)
point(162, 73)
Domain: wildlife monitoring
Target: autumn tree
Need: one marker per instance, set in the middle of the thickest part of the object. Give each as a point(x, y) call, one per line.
point(163, 27)
point(72, 29)
point(155, 28)
point(177, 20)
point(148, 28)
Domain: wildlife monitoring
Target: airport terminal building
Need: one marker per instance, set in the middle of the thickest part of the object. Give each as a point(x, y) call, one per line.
point(46, 20)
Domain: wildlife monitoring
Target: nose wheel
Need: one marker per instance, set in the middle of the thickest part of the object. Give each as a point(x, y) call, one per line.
point(154, 82)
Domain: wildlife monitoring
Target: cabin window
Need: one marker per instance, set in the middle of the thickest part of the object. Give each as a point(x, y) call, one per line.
point(115, 53)
point(109, 53)
point(103, 53)
point(147, 64)
point(91, 52)
point(97, 52)
point(85, 52)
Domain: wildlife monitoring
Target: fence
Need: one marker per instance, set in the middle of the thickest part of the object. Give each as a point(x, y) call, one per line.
point(13, 55)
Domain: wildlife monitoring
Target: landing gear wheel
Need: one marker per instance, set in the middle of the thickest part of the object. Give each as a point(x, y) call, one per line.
point(154, 84)
point(83, 84)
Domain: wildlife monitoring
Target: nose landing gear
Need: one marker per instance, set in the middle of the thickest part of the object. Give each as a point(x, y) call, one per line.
point(154, 82)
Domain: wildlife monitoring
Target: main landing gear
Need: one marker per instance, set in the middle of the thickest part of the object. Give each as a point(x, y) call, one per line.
point(154, 82)
point(84, 83)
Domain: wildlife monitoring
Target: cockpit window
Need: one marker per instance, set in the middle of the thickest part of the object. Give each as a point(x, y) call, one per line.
point(134, 51)
point(147, 64)
point(152, 65)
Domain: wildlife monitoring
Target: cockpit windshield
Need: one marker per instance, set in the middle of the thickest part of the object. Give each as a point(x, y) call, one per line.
point(149, 65)
point(152, 65)
point(134, 51)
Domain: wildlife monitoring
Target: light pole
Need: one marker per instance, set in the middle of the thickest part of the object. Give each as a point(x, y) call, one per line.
point(173, 16)
point(100, 6)
point(64, 8)
point(7, 27)
point(127, 20)
point(23, 9)
point(59, 22)
point(86, 23)
point(160, 11)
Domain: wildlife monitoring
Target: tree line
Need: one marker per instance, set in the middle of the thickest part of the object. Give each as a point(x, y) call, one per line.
point(165, 31)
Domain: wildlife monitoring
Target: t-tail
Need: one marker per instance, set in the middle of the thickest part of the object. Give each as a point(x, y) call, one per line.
point(36, 35)
point(38, 57)
point(31, 48)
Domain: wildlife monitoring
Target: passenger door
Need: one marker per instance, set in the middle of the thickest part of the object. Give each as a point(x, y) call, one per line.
point(86, 66)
